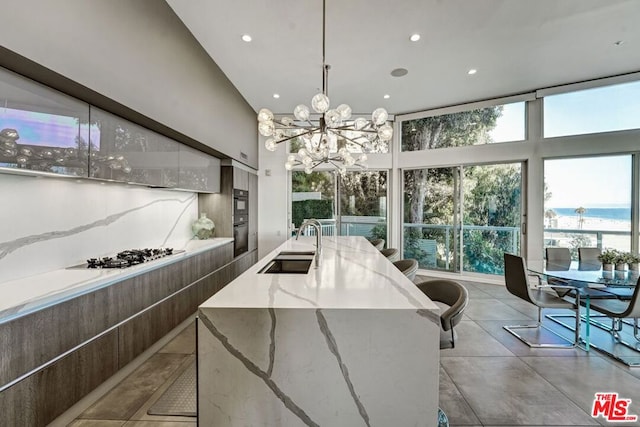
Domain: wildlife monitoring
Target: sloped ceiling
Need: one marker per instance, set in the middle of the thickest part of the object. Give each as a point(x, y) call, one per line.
point(516, 46)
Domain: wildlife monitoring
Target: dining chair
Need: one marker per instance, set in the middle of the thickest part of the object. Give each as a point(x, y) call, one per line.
point(558, 255)
point(516, 279)
point(618, 310)
point(452, 298)
point(392, 254)
point(409, 267)
point(378, 243)
point(589, 255)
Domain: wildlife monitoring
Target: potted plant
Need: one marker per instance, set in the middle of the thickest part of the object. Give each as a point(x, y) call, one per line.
point(620, 261)
point(634, 261)
point(608, 257)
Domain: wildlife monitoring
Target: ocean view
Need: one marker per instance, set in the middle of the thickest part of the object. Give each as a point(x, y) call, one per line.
point(622, 214)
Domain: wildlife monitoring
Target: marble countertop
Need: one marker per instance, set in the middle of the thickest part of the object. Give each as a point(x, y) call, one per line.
point(29, 294)
point(352, 275)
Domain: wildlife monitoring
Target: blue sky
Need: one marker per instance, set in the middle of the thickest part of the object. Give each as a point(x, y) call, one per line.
point(592, 181)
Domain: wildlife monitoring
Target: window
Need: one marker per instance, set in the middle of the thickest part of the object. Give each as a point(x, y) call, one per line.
point(462, 218)
point(351, 205)
point(602, 109)
point(487, 125)
point(588, 203)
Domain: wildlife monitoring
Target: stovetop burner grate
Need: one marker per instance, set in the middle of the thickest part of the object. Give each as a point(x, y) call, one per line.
point(128, 258)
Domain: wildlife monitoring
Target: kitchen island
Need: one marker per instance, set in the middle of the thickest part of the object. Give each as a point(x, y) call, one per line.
point(351, 342)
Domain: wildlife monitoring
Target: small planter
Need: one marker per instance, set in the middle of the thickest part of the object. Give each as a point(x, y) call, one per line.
point(621, 266)
point(607, 267)
point(634, 266)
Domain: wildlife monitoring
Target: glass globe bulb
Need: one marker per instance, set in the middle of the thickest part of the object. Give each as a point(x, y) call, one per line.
point(363, 158)
point(270, 144)
point(291, 158)
point(349, 161)
point(385, 133)
point(266, 128)
point(332, 118)
point(301, 112)
point(308, 170)
point(307, 161)
point(288, 166)
point(286, 121)
point(265, 115)
point(345, 111)
point(302, 153)
point(360, 123)
point(320, 103)
point(379, 116)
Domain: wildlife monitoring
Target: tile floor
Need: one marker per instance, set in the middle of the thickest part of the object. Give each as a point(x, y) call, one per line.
point(489, 379)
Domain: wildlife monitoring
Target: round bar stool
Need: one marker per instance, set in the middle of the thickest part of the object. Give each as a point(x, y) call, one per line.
point(378, 243)
point(392, 254)
point(409, 267)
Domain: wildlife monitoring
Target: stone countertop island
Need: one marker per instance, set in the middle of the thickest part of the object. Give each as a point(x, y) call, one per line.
point(352, 342)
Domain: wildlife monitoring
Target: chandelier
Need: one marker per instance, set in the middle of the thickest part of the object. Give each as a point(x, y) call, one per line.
point(336, 138)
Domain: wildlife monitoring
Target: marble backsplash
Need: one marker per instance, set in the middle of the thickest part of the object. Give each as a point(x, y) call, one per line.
point(48, 224)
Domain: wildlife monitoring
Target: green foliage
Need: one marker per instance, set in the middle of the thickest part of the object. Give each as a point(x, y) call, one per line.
point(411, 248)
point(305, 209)
point(482, 250)
point(578, 241)
point(360, 193)
point(609, 256)
point(492, 194)
point(450, 130)
point(379, 232)
point(315, 181)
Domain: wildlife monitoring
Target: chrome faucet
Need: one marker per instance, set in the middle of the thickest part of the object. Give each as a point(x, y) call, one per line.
point(318, 227)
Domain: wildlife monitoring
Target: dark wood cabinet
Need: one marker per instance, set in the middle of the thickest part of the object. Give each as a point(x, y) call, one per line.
point(100, 333)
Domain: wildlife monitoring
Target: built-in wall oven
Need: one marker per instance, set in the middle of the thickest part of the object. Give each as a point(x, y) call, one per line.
point(240, 221)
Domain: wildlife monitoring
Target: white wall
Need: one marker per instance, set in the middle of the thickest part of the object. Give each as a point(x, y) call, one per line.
point(273, 200)
point(139, 54)
point(52, 223)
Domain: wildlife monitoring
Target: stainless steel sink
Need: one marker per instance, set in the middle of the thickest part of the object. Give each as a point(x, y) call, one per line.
point(289, 262)
point(302, 253)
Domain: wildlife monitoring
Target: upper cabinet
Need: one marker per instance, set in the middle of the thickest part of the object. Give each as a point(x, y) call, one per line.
point(123, 151)
point(44, 130)
point(240, 179)
point(41, 129)
point(198, 171)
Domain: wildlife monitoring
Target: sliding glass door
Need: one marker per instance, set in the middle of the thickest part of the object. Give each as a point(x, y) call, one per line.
point(462, 218)
point(353, 204)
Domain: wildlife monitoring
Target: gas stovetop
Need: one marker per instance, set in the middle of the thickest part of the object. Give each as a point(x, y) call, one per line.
point(128, 258)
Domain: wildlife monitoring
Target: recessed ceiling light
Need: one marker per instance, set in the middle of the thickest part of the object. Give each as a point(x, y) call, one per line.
point(472, 71)
point(619, 43)
point(246, 38)
point(414, 37)
point(387, 96)
point(399, 72)
point(276, 96)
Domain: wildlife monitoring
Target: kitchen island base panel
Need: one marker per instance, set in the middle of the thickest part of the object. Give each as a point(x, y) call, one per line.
point(339, 367)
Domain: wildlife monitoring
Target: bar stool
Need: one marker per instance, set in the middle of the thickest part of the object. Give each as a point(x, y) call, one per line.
point(378, 243)
point(392, 254)
point(409, 267)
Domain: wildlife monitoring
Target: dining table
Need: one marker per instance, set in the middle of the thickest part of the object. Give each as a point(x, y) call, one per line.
point(589, 281)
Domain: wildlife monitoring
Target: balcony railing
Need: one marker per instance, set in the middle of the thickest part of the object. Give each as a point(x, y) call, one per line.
point(603, 238)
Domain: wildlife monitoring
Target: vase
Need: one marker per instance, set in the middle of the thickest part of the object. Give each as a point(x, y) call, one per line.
point(634, 266)
point(621, 266)
point(607, 267)
point(203, 227)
